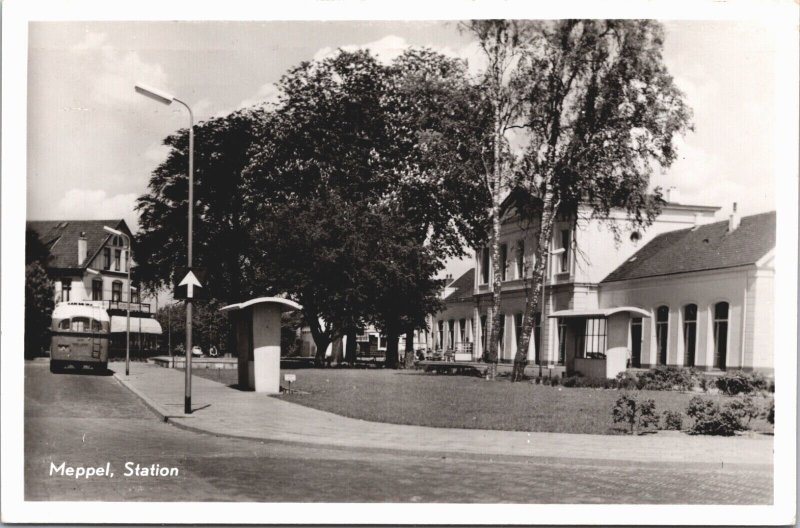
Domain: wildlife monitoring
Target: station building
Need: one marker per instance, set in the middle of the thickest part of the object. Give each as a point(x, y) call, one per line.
point(687, 291)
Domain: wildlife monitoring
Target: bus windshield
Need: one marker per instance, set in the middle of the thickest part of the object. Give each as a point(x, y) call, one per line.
point(80, 324)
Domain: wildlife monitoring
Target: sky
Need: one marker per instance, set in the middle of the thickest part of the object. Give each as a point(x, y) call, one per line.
point(93, 142)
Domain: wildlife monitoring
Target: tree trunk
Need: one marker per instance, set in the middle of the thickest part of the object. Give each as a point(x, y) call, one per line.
point(351, 351)
point(321, 338)
point(497, 283)
point(392, 338)
point(337, 352)
point(408, 359)
point(534, 296)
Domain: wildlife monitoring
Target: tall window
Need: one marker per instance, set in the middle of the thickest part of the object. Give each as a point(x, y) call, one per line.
point(689, 333)
point(97, 290)
point(636, 342)
point(116, 291)
point(720, 334)
point(451, 333)
point(662, 334)
point(135, 295)
point(117, 257)
point(503, 261)
point(595, 338)
point(517, 328)
point(106, 258)
point(440, 335)
point(520, 258)
point(66, 289)
point(485, 266)
point(462, 331)
point(537, 337)
point(564, 256)
point(562, 340)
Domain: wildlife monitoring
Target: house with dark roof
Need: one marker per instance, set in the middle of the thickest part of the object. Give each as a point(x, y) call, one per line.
point(707, 295)
point(89, 264)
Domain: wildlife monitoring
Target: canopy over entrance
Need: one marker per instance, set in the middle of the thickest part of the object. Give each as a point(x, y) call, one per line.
point(600, 312)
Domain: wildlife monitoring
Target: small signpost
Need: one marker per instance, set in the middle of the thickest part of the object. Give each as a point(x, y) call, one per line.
point(190, 283)
point(289, 378)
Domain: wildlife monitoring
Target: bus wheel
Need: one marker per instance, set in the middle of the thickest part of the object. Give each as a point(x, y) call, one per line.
point(55, 366)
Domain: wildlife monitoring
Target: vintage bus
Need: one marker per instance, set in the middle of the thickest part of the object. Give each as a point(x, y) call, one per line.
point(79, 336)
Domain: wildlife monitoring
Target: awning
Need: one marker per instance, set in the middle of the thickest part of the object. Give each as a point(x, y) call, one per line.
point(600, 312)
point(139, 325)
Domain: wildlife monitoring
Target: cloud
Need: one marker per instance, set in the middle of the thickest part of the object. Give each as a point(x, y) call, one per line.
point(157, 153)
point(266, 94)
point(96, 204)
point(112, 73)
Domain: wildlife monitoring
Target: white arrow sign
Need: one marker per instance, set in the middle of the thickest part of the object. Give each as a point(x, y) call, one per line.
point(190, 281)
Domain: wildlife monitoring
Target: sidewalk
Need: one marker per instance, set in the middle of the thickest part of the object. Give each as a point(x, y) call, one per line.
point(224, 411)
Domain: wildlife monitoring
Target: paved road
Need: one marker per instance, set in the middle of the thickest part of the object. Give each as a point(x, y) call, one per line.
point(89, 420)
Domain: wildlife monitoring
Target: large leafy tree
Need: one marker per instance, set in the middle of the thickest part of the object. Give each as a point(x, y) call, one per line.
point(223, 221)
point(601, 114)
point(362, 161)
point(39, 295)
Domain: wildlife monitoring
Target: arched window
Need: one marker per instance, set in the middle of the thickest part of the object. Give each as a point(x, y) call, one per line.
point(636, 342)
point(689, 333)
point(720, 334)
point(662, 334)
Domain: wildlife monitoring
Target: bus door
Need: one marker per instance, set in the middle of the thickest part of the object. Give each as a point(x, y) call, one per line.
point(97, 328)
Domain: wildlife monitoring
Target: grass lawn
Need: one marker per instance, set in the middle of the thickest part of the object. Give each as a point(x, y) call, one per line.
point(418, 398)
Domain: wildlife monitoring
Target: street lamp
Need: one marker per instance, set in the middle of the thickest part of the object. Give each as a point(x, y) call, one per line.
point(128, 305)
point(167, 99)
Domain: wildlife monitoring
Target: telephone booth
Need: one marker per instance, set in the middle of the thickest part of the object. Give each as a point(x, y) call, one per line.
point(257, 335)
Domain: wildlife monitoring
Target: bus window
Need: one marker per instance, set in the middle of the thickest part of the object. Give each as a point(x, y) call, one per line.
point(64, 324)
point(80, 324)
point(96, 327)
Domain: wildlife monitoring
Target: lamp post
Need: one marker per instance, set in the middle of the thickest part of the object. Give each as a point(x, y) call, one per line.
point(167, 99)
point(128, 304)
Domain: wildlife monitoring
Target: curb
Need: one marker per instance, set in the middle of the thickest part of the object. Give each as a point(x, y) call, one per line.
point(159, 411)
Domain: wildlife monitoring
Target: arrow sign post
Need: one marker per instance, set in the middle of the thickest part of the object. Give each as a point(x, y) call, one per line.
point(190, 281)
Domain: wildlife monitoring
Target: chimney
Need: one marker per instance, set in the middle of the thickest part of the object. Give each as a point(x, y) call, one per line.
point(734, 219)
point(82, 248)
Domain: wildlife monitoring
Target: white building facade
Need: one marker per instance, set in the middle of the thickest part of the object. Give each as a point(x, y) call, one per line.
point(585, 314)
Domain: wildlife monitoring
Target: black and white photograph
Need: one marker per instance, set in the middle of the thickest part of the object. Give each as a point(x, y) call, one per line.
point(344, 262)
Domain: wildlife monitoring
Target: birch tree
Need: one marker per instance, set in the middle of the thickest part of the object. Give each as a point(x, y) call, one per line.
point(601, 114)
point(502, 43)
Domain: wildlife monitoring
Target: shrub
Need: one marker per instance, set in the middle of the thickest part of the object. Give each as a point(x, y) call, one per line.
point(737, 382)
point(581, 381)
point(744, 408)
point(667, 378)
point(671, 421)
point(555, 381)
point(770, 414)
point(709, 419)
point(627, 381)
point(637, 415)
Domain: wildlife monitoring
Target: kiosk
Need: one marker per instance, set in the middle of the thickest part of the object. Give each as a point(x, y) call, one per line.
point(257, 333)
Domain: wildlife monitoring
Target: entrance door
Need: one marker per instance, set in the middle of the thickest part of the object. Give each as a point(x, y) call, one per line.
point(636, 342)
